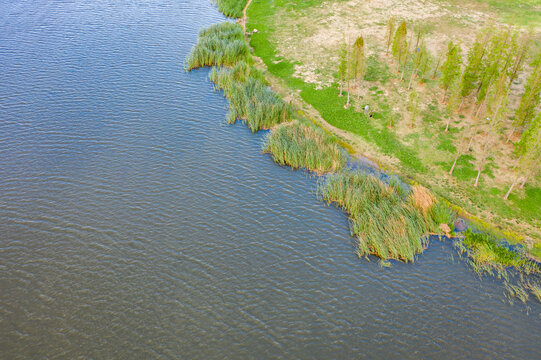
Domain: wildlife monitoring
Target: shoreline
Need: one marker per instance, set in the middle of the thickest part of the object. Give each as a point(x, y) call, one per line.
point(414, 212)
point(365, 151)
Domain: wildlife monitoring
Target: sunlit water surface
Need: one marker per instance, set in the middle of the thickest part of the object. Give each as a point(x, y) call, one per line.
point(134, 223)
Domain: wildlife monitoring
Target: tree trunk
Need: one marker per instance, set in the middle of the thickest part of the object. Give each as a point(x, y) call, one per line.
point(460, 105)
point(341, 87)
point(437, 66)
point(481, 106)
point(404, 68)
point(477, 179)
point(448, 122)
point(411, 77)
point(347, 102)
point(454, 164)
point(524, 179)
point(510, 189)
point(510, 134)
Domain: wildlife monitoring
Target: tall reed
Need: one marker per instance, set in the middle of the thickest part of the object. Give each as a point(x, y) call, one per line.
point(249, 97)
point(220, 44)
point(386, 223)
point(231, 8)
point(304, 146)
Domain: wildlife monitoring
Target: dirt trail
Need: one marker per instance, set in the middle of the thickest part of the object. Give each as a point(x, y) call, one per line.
point(244, 15)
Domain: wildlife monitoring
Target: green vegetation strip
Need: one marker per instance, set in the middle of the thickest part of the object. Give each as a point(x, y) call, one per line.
point(244, 86)
point(304, 146)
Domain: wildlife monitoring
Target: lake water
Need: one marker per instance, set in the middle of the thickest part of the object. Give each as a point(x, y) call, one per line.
point(136, 224)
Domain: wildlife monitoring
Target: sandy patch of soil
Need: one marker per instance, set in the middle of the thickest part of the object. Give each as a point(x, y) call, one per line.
point(312, 37)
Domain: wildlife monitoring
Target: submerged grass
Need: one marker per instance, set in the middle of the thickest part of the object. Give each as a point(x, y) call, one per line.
point(488, 256)
point(220, 44)
point(304, 146)
point(386, 222)
point(249, 97)
point(485, 251)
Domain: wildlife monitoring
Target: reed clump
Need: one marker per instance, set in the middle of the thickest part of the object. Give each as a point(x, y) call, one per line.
point(535, 289)
point(386, 223)
point(221, 44)
point(231, 8)
point(304, 146)
point(249, 96)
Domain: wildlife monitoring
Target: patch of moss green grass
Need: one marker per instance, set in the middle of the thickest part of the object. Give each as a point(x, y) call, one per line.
point(524, 204)
point(523, 12)
point(302, 145)
point(231, 8)
point(489, 256)
point(485, 251)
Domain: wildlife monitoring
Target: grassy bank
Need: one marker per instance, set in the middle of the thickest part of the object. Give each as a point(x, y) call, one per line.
point(298, 43)
point(249, 97)
point(304, 146)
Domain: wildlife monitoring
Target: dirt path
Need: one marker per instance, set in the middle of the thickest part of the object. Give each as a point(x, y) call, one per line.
point(244, 15)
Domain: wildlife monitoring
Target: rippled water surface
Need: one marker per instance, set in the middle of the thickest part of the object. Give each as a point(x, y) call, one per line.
point(135, 224)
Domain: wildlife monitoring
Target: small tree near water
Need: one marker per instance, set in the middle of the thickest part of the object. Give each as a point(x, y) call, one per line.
point(391, 24)
point(400, 45)
point(342, 66)
point(451, 66)
point(359, 60)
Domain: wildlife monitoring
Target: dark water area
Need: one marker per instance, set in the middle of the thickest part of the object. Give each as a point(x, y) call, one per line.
point(136, 224)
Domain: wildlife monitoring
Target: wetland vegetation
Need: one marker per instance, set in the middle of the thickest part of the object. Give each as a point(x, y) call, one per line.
point(389, 218)
point(441, 96)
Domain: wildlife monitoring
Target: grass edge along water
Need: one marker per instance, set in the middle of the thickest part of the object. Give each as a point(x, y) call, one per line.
point(487, 255)
point(224, 47)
